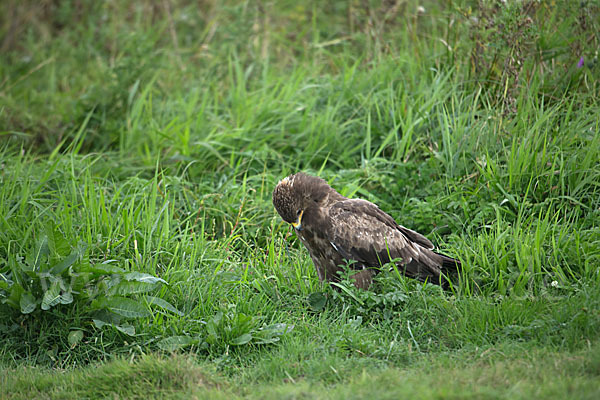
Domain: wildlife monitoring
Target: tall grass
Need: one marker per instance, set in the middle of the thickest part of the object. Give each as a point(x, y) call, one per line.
point(152, 134)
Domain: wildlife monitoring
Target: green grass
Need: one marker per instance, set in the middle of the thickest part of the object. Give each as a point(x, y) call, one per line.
point(514, 371)
point(148, 139)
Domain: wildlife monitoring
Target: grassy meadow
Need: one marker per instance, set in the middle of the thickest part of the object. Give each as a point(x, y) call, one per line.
point(140, 254)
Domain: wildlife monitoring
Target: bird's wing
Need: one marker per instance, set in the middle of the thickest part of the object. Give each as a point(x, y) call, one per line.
point(360, 231)
point(415, 237)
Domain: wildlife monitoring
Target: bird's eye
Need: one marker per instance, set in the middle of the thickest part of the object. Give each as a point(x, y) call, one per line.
point(298, 212)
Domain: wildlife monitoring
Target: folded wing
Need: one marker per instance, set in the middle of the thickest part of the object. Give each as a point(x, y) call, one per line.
point(361, 232)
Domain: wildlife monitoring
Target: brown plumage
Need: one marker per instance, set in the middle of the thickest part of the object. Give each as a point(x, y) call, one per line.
point(339, 231)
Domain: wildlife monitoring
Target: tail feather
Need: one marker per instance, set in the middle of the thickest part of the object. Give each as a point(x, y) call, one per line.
point(432, 267)
point(449, 264)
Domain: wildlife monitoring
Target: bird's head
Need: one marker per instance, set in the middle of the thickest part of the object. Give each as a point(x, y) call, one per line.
point(297, 196)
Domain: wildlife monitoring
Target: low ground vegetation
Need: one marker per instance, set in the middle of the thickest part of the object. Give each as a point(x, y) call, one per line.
point(140, 255)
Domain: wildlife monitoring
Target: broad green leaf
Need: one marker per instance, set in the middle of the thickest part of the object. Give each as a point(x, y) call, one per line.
point(17, 269)
point(317, 301)
point(163, 304)
point(99, 323)
point(14, 297)
point(242, 339)
point(27, 303)
point(242, 321)
point(106, 284)
point(79, 280)
point(130, 287)
point(4, 285)
point(64, 263)
point(142, 277)
point(213, 324)
point(107, 317)
point(270, 340)
point(105, 268)
point(126, 307)
point(58, 287)
point(57, 243)
point(40, 253)
point(51, 296)
point(74, 338)
point(348, 292)
point(173, 343)
point(126, 329)
point(278, 329)
point(270, 334)
point(66, 297)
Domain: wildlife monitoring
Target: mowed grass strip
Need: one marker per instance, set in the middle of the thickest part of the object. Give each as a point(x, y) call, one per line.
point(515, 371)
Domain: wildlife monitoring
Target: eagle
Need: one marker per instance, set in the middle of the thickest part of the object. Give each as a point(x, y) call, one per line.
point(338, 231)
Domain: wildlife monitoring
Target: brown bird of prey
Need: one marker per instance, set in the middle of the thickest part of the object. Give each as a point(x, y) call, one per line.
point(338, 231)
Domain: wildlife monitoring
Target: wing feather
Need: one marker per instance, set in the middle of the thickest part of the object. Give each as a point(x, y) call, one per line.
point(416, 237)
point(362, 232)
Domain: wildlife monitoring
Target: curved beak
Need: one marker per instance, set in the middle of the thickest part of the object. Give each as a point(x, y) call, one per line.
point(298, 224)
